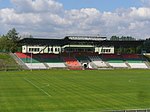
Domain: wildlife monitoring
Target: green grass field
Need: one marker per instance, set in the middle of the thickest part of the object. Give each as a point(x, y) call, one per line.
point(71, 91)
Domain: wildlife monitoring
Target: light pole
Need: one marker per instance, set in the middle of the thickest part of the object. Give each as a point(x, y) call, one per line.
point(31, 60)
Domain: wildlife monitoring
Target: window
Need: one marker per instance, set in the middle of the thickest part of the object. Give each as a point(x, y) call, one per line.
point(29, 49)
point(52, 49)
point(102, 50)
point(49, 49)
point(58, 49)
point(105, 50)
point(55, 49)
point(36, 49)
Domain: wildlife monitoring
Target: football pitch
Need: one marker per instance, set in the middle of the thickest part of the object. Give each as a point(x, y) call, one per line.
point(72, 91)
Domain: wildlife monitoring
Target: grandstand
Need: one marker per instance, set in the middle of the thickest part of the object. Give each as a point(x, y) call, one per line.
point(72, 63)
point(78, 53)
point(135, 61)
point(114, 60)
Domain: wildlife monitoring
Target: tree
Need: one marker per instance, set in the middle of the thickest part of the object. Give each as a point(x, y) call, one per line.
point(122, 38)
point(127, 38)
point(147, 45)
point(13, 37)
point(9, 42)
point(5, 44)
point(114, 38)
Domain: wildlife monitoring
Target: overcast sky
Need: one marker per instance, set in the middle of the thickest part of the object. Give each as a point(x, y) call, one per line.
point(57, 18)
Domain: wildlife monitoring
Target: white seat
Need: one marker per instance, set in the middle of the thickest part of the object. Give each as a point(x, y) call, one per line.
point(97, 61)
point(100, 63)
point(138, 65)
point(35, 65)
point(118, 65)
point(55, 65)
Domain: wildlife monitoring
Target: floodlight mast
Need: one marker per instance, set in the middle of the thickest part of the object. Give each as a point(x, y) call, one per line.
point(31, 60)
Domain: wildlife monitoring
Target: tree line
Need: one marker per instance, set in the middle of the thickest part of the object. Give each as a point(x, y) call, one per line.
point(122, 38)
point(140, 49)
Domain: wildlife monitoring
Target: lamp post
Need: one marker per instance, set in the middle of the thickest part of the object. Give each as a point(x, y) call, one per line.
point(31, 60)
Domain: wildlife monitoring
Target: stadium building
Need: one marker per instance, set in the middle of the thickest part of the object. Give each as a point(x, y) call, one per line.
point(79, 52)
point(72, 44)
point(69, 44)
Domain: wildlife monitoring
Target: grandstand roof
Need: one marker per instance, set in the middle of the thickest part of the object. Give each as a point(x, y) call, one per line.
point(42, 42)
point(93, 38)
point(81, 40)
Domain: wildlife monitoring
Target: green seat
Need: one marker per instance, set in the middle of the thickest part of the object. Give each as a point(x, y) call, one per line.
point(134, 61)
point(29, 60)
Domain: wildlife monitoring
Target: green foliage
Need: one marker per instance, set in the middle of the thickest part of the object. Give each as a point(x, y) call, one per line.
point(9, 42)
point(13, 35)
point(128, 50)
point(122, 38)
point(114, 38)
point(127, 38)
point(74, 91)
point(146, 46)
point(5, 44)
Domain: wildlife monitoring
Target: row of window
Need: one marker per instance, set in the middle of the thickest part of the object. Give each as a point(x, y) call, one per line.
point(54, 50)
point(34, 49)
point(105, 50)
point(68, 50)
point(49, 49)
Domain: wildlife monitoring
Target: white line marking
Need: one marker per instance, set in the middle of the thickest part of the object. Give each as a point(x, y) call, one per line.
point(37, 87)
point(45, 85)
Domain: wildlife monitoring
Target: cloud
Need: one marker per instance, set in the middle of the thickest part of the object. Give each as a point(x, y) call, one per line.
point(48, 18)
point(146, 3)
point(37, 6)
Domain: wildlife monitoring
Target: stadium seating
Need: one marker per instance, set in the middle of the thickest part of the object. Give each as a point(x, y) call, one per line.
point(53, 61)
point(97, 61)
point(138, 65)
point(133, 58)
point(114, 60)
point(35, 65)
point(112, 57)
point(26, 58)
point(82, 59)
point(45, 61)
point(56, 65)
point(118, 65)
point(135, 61)
point(40, 61)
point(22, 55)
point(95, 58)
point(72, 63)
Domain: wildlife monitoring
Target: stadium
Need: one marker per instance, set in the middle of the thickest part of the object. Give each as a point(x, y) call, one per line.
point(75, 74)
point(79, 53)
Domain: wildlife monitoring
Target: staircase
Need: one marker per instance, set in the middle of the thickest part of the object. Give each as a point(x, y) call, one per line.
point(127, 64)
point(19, 61)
